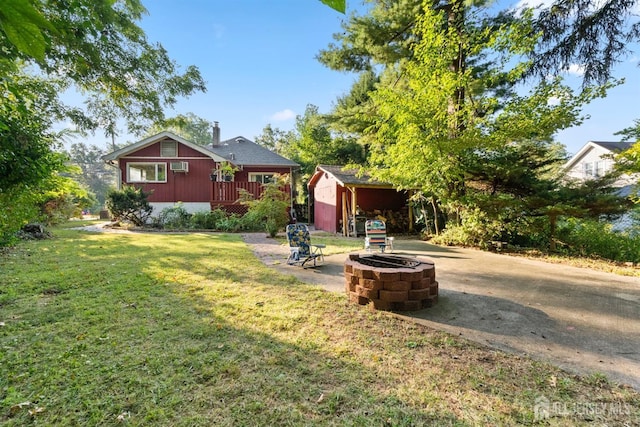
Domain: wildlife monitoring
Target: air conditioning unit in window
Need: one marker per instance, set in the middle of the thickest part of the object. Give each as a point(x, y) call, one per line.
point(179, 166)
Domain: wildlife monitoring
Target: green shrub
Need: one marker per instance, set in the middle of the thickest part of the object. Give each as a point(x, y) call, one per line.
point(270, 209)
point(231, 223)
point(17, 207)
point(203, 220)
point(59, 209)
point(129, 204)
point(594, 238)
point(174, 218)
point(252, 221)
point(477, 229)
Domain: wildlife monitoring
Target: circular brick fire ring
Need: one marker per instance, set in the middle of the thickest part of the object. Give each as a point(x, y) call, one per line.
point(390, 282)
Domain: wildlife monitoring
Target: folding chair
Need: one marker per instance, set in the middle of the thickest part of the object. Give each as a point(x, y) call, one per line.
point(301, 251)
point(376, 235)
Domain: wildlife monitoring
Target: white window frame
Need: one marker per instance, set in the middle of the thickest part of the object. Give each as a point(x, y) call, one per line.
point(588, 169)
point(253, 177)
point(168, 145)
point(158, 166)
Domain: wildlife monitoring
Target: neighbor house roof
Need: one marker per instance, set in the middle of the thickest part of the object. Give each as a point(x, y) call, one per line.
point(241, 151)
point(614, 147)
point(611, 147)
point(347, 177)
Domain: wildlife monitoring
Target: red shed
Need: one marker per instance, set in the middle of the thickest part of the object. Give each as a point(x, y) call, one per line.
point(342, 196)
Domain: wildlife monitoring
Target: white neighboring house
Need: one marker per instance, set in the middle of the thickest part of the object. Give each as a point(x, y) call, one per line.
point(595, 159)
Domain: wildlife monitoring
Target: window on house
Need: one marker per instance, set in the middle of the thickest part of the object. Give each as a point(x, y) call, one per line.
point(146, 172)
point(588, 169)
point(599, 168)
point(263, 178)
point(168, 149)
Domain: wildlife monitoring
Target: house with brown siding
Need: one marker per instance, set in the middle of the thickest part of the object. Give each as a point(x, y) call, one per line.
point(201, 178)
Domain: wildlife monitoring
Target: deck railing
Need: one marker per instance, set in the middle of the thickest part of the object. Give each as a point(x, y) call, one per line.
point(227, 192)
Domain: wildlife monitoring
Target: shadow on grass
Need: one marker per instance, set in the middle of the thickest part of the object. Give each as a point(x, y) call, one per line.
point(173, 331)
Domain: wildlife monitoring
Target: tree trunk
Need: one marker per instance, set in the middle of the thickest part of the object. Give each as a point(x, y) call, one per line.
point(435, 216)
point(553, 220)
point(455, 22)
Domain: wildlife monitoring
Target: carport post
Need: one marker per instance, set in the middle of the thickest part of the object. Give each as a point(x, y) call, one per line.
point(410, 211)
point(354, 204)
point(345, 216)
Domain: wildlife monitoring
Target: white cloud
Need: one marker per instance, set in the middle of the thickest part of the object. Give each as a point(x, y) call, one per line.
point(283, 116)
point(553, 101)
point(576, 69)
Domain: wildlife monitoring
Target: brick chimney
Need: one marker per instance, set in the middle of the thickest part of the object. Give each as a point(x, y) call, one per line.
point(216, 134)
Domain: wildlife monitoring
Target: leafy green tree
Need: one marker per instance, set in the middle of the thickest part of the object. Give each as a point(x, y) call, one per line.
point(29, 167)
point(271, 208)
point(591, 199)
point(28, 109)
point(95, 46)
point(105, 116)
point(275, 139)
point(18, 206)
point(383, 37)
point(190, 126)
point(448, 115)
point(93, 174)
point(597, 35)
point(98, 46)
point(629, 160)
point(314, 144)
point(353, 115)
point(63, 197)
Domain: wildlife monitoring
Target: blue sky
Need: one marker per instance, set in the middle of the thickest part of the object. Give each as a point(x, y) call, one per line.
point(256, 56)
point(258, 59)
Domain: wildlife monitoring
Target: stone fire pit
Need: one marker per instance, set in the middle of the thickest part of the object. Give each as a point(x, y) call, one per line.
point(390, 282)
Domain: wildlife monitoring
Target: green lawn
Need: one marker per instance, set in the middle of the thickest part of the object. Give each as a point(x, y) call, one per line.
point(190, 329)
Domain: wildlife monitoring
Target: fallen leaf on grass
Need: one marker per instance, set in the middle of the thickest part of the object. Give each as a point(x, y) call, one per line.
point(320, 399)
point(17, 407)
point(35, 410)
point(123, 416)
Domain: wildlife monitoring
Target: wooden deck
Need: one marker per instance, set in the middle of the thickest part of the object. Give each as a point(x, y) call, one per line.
point(225, 195)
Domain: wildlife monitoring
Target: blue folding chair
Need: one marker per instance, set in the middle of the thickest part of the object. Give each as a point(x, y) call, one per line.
point(301, 251)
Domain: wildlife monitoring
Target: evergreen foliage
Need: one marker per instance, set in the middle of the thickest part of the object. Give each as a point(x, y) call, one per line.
point(130, 204)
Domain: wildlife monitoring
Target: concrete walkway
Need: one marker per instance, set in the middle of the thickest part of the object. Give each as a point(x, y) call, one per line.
point(582, 320)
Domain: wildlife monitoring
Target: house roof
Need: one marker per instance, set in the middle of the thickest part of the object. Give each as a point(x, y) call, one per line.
point(347, 177)
point(155, 138)
point(239, 151)
point(242, 151)
point(611, 147)
point(614, 147)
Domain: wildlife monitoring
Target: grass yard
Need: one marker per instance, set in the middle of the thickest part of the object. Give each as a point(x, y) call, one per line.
point(191, 329)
